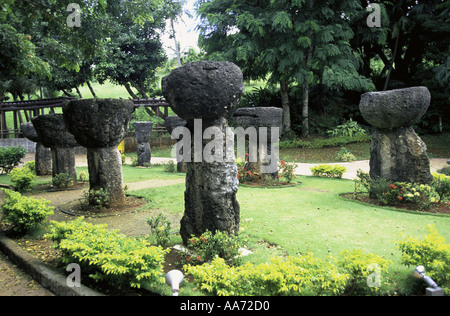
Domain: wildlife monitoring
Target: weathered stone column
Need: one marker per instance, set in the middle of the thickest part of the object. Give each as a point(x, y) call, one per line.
point(53, 134)
point(396, 152)
point(100, 125)
point(171, 123)
point(43, 155)
point(263, 127)
point(205, 94)
point(143, 132)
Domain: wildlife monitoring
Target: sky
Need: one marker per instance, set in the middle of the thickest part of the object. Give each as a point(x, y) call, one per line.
point(185, 32)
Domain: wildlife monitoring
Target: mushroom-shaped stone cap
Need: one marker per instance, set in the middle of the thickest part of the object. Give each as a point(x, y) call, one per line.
point(258, 117)
point(204, 89)
point(173, 122)
point(98, 123)
point(395, 108)
point(143, 131)
point(52, 131)
point(29, 131)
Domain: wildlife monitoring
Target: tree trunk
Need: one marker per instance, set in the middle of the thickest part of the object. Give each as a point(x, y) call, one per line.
point(130, 91)
point(91, 89)
point(79, 93)
point(286, 106)
point(305, 111)
point(391, 67)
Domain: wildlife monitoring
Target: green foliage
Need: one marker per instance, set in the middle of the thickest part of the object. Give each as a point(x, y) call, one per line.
point(160, 229)
point(170, 167)
point(441, 184)
point(365, 270)
point(345, 155)
point(324, 142)
point(286, 171)
point(292, 276)
point(31, 165)
point(108, 255)
point(432, 252)
point(24, 213)
point(62, 180)
point(328, 171)
point(23, 179)
point(98, 198)
point(10, 157)
point(82, 176)
point(211, 245)
point(348, 129)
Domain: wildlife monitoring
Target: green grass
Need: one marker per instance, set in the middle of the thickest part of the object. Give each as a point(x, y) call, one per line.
point(312, 217)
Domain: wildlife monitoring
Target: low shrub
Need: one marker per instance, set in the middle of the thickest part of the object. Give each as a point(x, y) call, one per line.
point(324, 142)
point(170, 167)
point(160, 229)
point(345, 155)
point(348, 129)
point(432, 252)
point(62, 180)
point(10, 157)
point(23, 179)
point(292, 276)
point(97, 198)
point(24, 213)
point(328, 171)
point(441, 184)
point(209, 245)
point(286, 171)
point(365, 270)
point(82, 177)
point(108, 255)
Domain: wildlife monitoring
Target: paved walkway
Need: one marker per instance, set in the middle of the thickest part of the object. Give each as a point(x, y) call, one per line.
point(302, 169)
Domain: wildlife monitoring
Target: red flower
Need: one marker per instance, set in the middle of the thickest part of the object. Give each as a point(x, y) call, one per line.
point(188, 258)
point(400, 198)
point(199, 258)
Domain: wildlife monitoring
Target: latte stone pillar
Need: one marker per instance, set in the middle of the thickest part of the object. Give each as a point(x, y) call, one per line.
point(53, 134)
point(100, 125)
point(171, 123)
point(205, 94)
point(143, 132)
point(43, 155)
point(397, 153)
point(263, 126)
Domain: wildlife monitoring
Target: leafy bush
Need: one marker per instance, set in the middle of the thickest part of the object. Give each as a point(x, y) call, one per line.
point(348, 129)
point(10, 157)
point(160, 228)
point(82, 176)
point(432, 252)
point(287, 171)
point(23, 179)
point(328, 171)
point(209, 245)
point(108, 255)
point(98, 198)
point(31, 165)
point(62, 180)
point(324, 142)
point(24, 213)
point(345, 155)
point(441, 185)
point(170, 167)
point(365, 271)
point(304, 275)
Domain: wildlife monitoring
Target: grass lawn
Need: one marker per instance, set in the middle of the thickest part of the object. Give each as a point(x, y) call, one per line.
point(312, 217)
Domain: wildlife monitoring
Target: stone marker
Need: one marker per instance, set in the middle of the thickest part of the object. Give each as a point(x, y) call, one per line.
point(43, 155)
point(53, 134)
point(100, 125)
point(261, 118)
point(207, 91)
point(171, 123)
point(143, 132)
point(397, 153)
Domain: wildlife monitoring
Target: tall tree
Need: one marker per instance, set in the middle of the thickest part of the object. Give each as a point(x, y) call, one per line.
point(292, 41)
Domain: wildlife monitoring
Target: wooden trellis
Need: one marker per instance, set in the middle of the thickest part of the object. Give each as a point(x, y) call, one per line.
point(24, 111)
